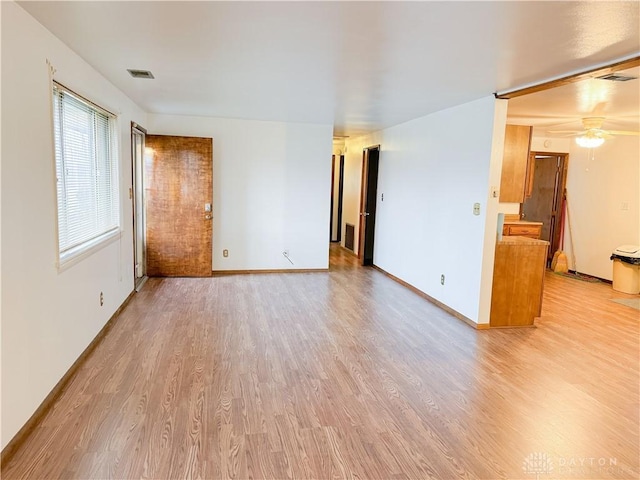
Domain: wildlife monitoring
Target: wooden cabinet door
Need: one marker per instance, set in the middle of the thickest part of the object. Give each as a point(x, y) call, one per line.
point(517, 142)
point(518, 276)
point(178, 188)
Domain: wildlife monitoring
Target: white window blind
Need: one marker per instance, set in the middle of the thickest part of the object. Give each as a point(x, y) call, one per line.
point(86, 170)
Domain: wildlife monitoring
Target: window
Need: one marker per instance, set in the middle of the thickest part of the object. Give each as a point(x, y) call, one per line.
point(86, 174)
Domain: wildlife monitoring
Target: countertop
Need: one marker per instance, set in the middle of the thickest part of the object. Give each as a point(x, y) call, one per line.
point(521, 222)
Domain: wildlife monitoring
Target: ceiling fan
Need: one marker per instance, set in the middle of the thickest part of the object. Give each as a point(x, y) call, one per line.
point(593, 135)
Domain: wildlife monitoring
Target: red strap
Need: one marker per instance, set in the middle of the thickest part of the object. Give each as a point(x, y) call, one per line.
point(562, 213)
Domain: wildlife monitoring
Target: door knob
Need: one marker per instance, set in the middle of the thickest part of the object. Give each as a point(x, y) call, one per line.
point(207, 217)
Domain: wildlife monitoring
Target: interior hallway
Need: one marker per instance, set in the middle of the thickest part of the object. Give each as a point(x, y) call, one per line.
point(342, 374)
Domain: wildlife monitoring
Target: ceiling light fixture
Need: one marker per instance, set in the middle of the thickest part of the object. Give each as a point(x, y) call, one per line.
point(590, 139)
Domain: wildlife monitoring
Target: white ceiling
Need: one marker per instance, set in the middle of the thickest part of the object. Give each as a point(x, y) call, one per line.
point(564, 107)
point(362, 66)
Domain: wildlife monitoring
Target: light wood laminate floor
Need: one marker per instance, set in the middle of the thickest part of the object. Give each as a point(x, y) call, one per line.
point(345, 374)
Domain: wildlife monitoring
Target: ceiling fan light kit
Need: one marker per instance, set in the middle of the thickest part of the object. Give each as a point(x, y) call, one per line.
point(589, 141)
point(593, 135)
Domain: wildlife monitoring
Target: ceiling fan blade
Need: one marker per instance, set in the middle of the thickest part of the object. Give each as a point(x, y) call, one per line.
point(621, 132)
point(599, 109)
point(573, 132)
point(563, 135)
point(593, 123)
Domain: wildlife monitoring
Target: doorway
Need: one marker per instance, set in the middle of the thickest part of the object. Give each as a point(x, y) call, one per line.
point(368, 199)
point(547, 179)
point(178, 190)
point(337, 190)
point(137, 196)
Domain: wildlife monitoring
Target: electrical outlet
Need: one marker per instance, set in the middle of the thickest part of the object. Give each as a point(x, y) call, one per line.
point(225, 253)
point(101, 299)
point(476, 209)
point(442, 279)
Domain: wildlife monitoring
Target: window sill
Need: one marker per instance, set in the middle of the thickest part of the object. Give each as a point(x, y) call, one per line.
point(87, 249)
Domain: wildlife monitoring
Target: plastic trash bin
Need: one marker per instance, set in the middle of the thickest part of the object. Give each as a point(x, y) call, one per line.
point(626, 269)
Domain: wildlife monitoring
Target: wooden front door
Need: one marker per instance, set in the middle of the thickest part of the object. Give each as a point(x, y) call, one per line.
point(178, 189)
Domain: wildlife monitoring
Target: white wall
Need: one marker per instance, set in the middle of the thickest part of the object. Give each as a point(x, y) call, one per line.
point(600, 182)
point(49, 318)
point(432, 170)
point(494, 207)
point(2, 441)
point(338, 150)
point(271, 189)
point(335, 197)
point(546, 144)
point(352, 184)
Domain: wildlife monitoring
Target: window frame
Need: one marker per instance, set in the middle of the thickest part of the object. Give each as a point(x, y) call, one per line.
point(75, 254)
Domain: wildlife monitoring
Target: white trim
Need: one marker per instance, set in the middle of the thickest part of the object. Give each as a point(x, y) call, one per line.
point(141, 283)
point(74, 255)
point(86, 249)
point(82, 99)
point(51, 71)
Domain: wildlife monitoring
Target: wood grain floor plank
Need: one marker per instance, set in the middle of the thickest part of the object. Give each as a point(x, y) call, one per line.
point(344, 374)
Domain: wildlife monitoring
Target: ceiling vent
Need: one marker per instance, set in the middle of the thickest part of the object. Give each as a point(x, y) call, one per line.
point(140, 73)
point(614, 77)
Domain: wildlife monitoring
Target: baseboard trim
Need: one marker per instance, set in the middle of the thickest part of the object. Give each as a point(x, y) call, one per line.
point(515, 326)
point(221, 273)
point(19, 438)
point(437, 303)
point(603, 280)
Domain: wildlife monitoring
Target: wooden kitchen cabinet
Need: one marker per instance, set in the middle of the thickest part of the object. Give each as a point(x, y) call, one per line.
point(515, 163)
point(518, 277)
point(522, 229)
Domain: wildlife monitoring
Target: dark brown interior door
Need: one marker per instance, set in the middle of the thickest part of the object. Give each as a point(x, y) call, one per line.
point(368, 201)
point(545, 201)
point(333, 186)
point(178, 189)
